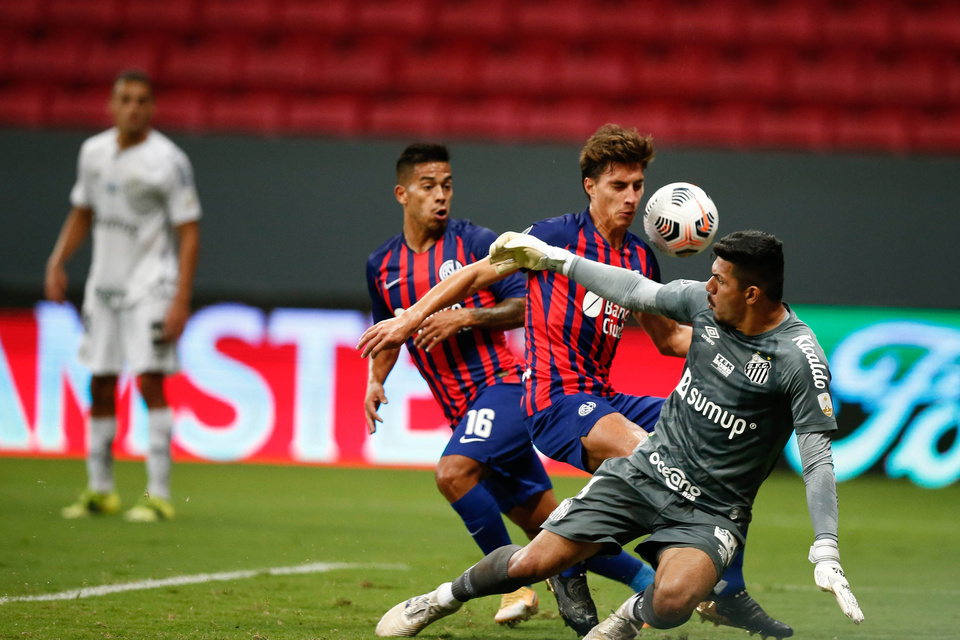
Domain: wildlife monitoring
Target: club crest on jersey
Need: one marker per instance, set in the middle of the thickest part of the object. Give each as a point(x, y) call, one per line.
point(826, 404)
point(448, 268)
point(586, 408)
point(758, 369)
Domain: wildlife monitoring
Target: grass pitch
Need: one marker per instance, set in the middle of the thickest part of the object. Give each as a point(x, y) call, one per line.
point(399, 538)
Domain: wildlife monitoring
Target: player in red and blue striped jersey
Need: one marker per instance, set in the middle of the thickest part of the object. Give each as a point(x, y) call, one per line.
point(489, 465)
point(574, 414)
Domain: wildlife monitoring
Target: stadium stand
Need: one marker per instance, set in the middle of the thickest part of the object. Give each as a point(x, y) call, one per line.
point(862, 75)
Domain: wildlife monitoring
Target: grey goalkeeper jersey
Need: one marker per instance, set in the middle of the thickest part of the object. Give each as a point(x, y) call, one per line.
point(740, 397)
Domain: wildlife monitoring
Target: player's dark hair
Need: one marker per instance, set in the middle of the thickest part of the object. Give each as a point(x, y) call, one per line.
point(418, 153)
point(134, 75)
point(757, 260)
point(613, 144)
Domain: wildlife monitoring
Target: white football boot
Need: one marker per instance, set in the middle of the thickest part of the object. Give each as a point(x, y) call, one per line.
point(408, 618)
point(619, 626)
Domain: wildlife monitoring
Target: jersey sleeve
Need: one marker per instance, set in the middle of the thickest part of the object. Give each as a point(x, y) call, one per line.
point(80, 194)
point(806, 380)
point(379, 308)
point(183, 204)
point(478, 242)
point(553, 231)
point(681, 300)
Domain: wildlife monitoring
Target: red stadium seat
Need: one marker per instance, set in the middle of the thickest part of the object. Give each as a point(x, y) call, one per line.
point(795, 128)
point(227, 16)
point(335, 17)
point(502, 119)
point(182, 110)
point(642, 20)
point(259, 113)
point(937, 132)
point(830, 77)
point(55, 57)
point(23, 14)
point(728, 124)
point(911, 79)
point(662, 120)
point(83, 109)
point(106, 58)
point(703, 22)
point(872, 130)
point(926, 25)
point(474, 19)
point(176, 16)
point(601, 73)
point(289, 65)
point(24, 105)
point(84, 14)
point(869, 23)
point(326, 115)
point(205, 64)
point(394, 17)
point(572, 120)
point(354, 69)
point(666, 73)
point(417, 116)
point(781, 22)
point(439, 70)
point(523, 72)
point(563, 20)
point(747, 74)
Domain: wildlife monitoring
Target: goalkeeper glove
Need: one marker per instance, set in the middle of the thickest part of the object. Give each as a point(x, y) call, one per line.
point(512, 251)
point(829, 577)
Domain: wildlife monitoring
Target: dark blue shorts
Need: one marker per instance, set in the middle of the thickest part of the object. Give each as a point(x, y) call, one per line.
point(556, 430)
point(494, 434)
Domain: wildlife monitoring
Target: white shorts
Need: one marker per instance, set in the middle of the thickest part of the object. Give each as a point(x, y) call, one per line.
point(114, 336)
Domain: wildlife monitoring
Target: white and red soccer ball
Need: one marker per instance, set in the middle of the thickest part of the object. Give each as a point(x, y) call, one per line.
point(680, 219)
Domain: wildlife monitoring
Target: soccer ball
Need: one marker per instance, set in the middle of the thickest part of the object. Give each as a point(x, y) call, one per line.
point(680, 219)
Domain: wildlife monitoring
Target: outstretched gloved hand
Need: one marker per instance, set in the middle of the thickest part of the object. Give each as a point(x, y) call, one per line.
point(830, 577)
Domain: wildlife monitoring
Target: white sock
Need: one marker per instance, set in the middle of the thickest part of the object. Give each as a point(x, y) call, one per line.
point(445, 594)
point(100, 434)
point(632, 606)
point(159, 429)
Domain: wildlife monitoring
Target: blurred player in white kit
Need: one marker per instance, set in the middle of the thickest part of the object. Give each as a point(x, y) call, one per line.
point(135, 195)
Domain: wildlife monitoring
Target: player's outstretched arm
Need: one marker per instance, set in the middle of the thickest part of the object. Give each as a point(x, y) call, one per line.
point(821, 484)
point(390, 334)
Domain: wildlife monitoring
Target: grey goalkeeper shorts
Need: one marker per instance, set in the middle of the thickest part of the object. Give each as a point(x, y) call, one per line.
point(620, 503)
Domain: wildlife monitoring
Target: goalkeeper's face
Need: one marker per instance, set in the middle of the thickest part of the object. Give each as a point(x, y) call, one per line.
point(426, 196)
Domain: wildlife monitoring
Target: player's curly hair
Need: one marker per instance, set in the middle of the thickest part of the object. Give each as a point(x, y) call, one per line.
point(418, 153)
point(757, 259)
point(613, 144)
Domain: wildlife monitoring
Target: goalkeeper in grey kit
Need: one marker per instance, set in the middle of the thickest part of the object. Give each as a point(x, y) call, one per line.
point(754, 375)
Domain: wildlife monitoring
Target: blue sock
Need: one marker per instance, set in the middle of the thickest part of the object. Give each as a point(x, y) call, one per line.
point(481, 515)
point(623, 568)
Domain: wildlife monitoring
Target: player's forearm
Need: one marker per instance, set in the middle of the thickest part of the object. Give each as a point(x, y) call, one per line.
point(821, 483)
point(189, 241)
point(455, 288)
point(507, 314)
point(75, 230)
point(626, 288)
point(381, 366)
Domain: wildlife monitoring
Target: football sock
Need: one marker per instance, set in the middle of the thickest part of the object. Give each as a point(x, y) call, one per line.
point(100, 453)
point(159, 429)
point(487, 577)
point(646, 613)
point(623, 568)
point(481, 515)
point(732, 581)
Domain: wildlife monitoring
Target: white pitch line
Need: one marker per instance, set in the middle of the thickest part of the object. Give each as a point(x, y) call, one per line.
point(87, 592)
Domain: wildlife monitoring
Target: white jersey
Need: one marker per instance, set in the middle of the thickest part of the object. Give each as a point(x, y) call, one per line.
point(138, 195)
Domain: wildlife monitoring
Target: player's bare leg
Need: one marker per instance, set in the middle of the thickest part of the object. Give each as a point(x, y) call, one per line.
point(613, 436)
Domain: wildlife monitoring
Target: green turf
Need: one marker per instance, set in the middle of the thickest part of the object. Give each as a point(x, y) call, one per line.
point(898, 544)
